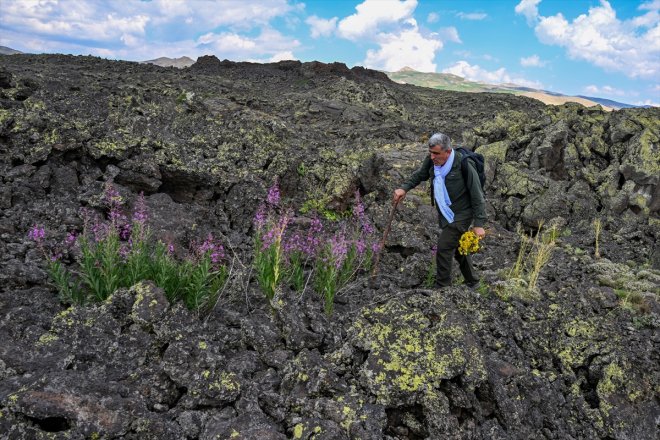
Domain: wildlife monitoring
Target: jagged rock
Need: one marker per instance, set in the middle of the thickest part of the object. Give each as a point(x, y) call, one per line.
point(394, 361)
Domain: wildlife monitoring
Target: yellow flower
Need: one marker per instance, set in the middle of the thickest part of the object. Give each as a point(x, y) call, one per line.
point(468, 243)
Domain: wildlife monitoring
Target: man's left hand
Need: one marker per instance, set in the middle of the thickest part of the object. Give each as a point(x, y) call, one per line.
point(479, 231)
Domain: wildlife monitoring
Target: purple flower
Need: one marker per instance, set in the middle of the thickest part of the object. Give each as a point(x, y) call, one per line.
point(37, 234)
point(124, 250)
point(170, 249)
point(112, 196)
point(56, 257)
point(293, 243)
point(375, 248)
point(217, 254)
point(338, 249)
point(140, 215)
point(360, 246)
point(434, 250)
point(70, 239)
point(360, 215)
point(125, 232)
point(100, 231)
point(215, 250)
point(260, 217)
point(273, 198)
point(313, 240)
point(358, 209)
point(275, 233)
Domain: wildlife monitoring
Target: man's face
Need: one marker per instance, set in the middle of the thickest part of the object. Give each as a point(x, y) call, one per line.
point(438, 156)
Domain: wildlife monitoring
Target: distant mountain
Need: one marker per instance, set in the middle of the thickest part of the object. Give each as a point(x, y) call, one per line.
point(4, 50)
point(171, 62)
point(448, 81)
point(610, 103)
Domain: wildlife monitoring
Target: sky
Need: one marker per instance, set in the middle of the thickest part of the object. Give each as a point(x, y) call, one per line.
point(601, 48)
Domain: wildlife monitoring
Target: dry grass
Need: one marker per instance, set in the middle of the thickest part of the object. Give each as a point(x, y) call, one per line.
point(533, 255)
point(597, 229)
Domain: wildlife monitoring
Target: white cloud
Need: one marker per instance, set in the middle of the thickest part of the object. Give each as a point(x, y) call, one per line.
point(321, 27)
point(604, 90)
point(372, 15)
point(433, 17)
point(532, 61)
point(600, 38)
point(648, 102)
point(282, 56)
point(529, 9)
point(409, 48)
point(269, 43)
point(114, 21)
point(242, 14)
point(449, 34)
point(499, 76)
point(472, 16)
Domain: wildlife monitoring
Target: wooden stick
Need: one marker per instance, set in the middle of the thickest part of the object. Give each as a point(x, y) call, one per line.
point(374, 271)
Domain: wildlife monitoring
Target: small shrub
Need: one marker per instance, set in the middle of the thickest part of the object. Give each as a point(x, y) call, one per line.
point(429, 280)
point(533, 255)
point(117, 253)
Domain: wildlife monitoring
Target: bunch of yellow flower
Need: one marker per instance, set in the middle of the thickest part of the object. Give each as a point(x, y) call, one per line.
point(469, 243)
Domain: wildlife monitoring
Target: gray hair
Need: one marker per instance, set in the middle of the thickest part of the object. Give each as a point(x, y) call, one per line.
point(440, 139)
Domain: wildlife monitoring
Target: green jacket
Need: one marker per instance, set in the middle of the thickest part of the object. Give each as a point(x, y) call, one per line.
point(466, 195)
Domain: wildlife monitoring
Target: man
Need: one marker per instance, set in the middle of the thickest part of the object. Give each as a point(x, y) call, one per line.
point(460, 202)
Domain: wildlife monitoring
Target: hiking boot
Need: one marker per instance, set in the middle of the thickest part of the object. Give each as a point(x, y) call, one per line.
point(473, 285)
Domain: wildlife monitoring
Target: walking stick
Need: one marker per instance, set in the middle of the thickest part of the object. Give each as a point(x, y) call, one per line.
point(374, 271)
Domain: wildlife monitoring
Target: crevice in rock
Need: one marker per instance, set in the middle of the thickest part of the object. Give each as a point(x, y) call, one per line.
point(104, 162)
point(405, 252)
point(621, 181)
point(406, 422)
point(180, 392)
point(163, 349)
point(486, 398)
point(51, 424)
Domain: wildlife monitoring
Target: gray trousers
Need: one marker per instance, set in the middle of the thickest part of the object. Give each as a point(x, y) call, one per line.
point(448, 247)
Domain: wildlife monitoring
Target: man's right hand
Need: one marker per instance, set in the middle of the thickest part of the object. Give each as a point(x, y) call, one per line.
point(399, 194)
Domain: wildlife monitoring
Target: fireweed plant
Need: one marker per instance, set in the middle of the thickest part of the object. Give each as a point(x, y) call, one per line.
point(117, 252)
point(347, 252)
point(68, 289)
point(331, 260)
point(268, 249)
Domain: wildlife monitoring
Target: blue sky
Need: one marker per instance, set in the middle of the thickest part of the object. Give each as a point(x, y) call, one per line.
point(604, 48)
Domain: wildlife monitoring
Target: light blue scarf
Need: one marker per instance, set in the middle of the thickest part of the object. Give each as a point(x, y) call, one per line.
point(440, 190)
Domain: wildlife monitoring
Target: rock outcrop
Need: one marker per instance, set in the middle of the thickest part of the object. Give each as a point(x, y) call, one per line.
point(394, 361)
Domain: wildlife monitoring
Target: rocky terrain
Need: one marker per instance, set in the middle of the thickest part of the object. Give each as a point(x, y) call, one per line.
point(577, 359)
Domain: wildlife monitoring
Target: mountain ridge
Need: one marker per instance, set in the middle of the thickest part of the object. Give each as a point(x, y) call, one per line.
point(449, 81)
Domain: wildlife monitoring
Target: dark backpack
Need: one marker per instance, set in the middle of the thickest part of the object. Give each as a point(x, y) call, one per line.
point(477, 159)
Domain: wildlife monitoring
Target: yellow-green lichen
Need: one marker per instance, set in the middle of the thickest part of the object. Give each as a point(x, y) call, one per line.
point(64, 317)
point(227, 382)
point(613, 378)
point(108, 147)
point(202, 345)
point(349, 415)
point(47, 338)
point(408, 354)
point(298, 431)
